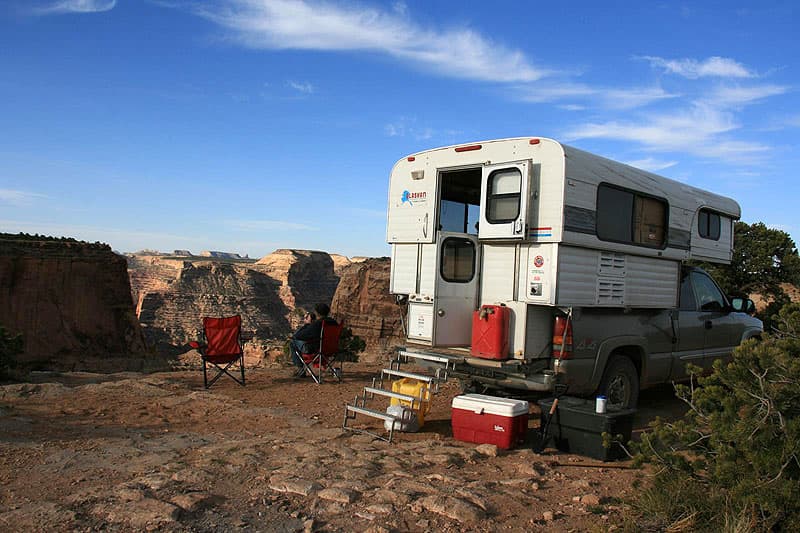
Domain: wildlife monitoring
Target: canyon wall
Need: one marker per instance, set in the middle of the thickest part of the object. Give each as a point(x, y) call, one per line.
point(71, 301)
point(363, 301)
point(173, 294)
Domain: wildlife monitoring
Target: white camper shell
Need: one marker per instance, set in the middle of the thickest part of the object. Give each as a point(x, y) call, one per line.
point(534, 224)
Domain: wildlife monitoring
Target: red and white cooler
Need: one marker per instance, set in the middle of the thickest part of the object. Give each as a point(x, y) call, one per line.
point(489, 420)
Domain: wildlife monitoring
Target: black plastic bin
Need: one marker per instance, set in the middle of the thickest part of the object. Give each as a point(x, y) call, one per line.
point(576, 428)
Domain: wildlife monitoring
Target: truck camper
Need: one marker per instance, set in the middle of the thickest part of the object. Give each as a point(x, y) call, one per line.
point(526, 263)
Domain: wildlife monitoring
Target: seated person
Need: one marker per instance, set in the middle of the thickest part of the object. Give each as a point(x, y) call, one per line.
point(306, 338)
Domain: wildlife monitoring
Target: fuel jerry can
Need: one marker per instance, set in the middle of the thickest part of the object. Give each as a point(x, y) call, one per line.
point(490, 332)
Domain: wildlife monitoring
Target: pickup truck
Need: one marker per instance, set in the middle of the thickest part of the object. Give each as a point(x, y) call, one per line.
point(617, 352)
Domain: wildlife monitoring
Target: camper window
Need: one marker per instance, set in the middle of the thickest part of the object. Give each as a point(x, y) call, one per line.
point(458, 260)
point(503, 198)
point(631, 218)
point(708, 224)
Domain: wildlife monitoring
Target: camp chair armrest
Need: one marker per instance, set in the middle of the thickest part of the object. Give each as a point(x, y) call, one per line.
point(197, 345)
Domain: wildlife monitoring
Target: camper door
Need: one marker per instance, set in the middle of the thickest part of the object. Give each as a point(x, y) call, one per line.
point(456, 288)
point(504, 200)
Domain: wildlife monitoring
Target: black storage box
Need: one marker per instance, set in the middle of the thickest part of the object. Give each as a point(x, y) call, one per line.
point(576, 428)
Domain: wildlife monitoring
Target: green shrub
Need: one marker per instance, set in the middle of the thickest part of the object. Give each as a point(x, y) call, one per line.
point(10, 347)
point(733, 462)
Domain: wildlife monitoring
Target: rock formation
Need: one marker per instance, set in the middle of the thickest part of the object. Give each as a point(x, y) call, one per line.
point(173, 294)
point(363, 301)
point(306, 278)
point(71, 301)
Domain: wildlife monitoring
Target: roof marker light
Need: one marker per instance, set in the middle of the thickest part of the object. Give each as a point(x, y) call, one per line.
point(535, 141)
point(469, 148)
point(411, 158)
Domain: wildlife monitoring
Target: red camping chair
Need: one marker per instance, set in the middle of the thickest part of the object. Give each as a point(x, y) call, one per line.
point(223, 347)
point(325, 360)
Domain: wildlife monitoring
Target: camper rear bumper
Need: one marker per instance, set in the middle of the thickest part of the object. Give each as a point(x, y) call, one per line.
point(539, 382)
point(534, 376)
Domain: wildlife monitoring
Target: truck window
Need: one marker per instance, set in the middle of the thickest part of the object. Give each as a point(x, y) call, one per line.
point(503, 197)
point(458, 260)
point(687, 301)
point(631, 218)
point(708, 224)
point(708, 294)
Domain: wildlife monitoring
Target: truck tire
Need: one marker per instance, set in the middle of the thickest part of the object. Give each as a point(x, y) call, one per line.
point(620, 383)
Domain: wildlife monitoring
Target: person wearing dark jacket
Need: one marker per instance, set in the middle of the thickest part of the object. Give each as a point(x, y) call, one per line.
point(306, 338)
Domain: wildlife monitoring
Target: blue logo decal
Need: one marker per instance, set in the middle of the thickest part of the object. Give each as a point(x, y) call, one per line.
point(405, 198)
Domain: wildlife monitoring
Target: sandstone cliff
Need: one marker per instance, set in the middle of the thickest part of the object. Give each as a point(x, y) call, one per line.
point(71, 301)
point(363, 301)
point(173, 295)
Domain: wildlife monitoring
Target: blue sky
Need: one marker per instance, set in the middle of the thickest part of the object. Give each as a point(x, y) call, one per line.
point(251, 125)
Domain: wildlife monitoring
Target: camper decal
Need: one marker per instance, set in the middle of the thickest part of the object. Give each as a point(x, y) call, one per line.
point(540, 232)
point(539, 261)
point(412, 197)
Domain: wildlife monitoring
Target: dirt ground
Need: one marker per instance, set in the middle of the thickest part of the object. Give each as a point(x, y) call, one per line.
point(133, 452)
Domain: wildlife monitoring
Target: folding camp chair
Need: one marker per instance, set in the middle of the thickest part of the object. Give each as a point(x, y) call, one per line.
point(223, 347)
point(325, 360)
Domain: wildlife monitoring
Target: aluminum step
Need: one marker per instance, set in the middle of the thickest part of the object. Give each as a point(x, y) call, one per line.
point(412, 400)
point(430, 357)
point(395, 421)
point(371, 412)
point(411, 375)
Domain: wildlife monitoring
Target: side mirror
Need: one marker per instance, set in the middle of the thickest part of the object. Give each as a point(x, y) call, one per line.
point(743, 305)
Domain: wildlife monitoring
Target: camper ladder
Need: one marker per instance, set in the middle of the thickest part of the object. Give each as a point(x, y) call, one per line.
point(381, 389)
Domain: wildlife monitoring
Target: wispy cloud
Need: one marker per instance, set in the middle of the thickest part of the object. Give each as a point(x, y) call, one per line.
point(609, 98)
point(651, 164)
point(19, 198)
point(321, 25)
point(698, 130)
point(407, 127)
point(269, 225)
point(301, 87)
point(738, 96)
point(719, 67)
point(75, 6)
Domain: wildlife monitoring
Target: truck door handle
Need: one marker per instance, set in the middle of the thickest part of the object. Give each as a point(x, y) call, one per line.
point(708, 324)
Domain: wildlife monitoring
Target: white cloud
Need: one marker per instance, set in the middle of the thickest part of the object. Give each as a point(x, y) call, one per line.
point(739, 96)
point(19, 198)
point(269, 225)
point(720, 67)
point(77, 6)
point(320, 25)
point(651, 164)
point(301, 87)
point(699, 130)
point(605, 97)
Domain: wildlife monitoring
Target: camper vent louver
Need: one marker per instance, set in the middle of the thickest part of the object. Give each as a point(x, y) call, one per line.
point(611, 264)
point(610, 292)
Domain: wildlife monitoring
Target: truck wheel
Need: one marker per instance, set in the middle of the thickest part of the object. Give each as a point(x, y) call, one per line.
point(620, 383)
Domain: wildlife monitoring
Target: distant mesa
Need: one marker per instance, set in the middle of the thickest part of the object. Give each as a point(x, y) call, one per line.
point(182, 253)
point(221, 255)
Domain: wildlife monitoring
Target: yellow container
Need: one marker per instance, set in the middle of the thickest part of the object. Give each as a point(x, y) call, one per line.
point(417, 389)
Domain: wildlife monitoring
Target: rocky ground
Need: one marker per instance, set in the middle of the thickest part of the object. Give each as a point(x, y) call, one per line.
point(126, 452)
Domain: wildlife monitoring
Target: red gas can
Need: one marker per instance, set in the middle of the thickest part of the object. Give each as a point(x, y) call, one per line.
point(490, 332)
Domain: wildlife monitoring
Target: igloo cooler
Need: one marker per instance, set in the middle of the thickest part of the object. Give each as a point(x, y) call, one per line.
point(490, 332)
point(489, 420)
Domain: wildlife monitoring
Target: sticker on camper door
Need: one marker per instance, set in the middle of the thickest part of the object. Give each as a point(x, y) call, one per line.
point(538, 262)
